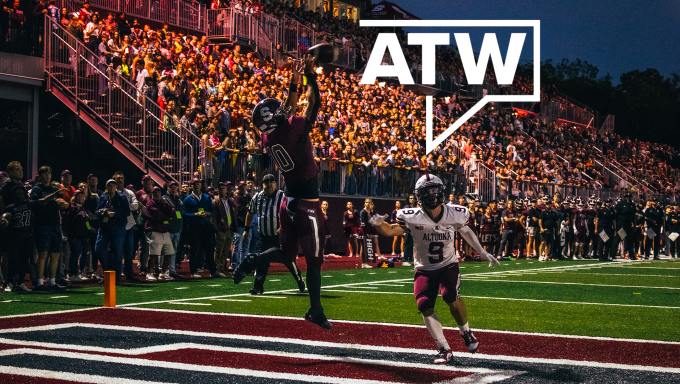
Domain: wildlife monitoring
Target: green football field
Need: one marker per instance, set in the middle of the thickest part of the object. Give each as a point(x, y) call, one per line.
point(638, 300)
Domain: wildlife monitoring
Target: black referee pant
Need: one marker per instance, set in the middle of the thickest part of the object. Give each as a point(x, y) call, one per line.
point(262, 262)
point(627, 242)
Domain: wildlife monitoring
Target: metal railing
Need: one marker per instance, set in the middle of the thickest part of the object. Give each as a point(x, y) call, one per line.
point(117, 106)
point(556, 109)
point(535, 189)
point(615, 167)
point(339, 178)
point(178, 13)
point(608, 125)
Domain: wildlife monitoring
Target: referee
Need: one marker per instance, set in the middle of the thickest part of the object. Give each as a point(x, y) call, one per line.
point(265, 204)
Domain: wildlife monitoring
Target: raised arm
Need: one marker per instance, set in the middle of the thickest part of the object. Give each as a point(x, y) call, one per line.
point(313, 96)
point(472, 239)
point(292, 99)
point(386, 229)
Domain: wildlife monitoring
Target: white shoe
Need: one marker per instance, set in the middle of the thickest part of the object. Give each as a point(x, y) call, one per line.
point(150, 277)
point(167, 277)
point(83, 277)
point(574, 258)
point(76, 278)
point(366, 266)
point(196, 276)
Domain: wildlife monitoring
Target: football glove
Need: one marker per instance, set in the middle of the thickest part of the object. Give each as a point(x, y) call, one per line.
point(376, 220)
point(493, 262)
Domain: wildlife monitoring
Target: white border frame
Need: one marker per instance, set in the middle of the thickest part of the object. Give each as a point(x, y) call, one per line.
point(536, 97)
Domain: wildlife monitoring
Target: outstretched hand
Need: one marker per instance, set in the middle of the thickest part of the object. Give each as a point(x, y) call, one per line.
point(377, 220)
point(309, 63)
point(493, 262)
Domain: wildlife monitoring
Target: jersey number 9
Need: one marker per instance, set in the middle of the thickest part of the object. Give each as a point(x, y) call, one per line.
point(436, 249)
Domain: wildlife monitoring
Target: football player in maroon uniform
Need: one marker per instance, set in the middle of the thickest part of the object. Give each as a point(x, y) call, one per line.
point(286, 138)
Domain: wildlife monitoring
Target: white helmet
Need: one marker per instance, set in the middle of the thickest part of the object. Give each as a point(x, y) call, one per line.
point(430, 191)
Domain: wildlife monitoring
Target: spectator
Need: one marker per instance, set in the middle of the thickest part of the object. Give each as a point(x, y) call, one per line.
point(198, 210)
point(158, 214)
point(225, 225)
point(113, 212)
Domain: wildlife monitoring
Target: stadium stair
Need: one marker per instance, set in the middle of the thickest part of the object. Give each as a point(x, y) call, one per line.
point(73, 76)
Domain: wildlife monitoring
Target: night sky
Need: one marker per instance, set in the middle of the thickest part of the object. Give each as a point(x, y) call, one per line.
point(617, 36)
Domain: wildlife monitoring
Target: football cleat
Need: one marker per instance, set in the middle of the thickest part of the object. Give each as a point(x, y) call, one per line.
point(301, 285)
point(444, 356)
point(256, 291)
point(470, 341)
point(320, 320)
point(56, 287)
point(242, 270)
point(21, 288)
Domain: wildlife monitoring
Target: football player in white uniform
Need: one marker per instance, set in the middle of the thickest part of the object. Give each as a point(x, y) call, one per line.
point(433, 226)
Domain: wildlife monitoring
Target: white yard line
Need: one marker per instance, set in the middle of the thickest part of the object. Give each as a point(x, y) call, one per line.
point(582, 284)
point(269, 297)
point(515, 299)
point(224, 370)
point(248, 294)
point(73, 377)
point(247, 373)
point(619, 274)
point(245, 301)
point(227, 314)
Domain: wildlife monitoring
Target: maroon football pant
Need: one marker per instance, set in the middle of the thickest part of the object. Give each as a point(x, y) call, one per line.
point(428, 284)
point(303, 231)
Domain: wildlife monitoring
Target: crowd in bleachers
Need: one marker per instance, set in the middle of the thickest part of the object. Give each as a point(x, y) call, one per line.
point(210, 90)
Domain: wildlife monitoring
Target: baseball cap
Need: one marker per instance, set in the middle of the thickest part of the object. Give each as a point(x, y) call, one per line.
point(91, 175)
point(110, 181)
point(3, 174)
point(146, 177)
point(173, 183)
point(156, 188)
point(240, 183)
point(223, 183)
point(268, 177)
point(194, 181)
point(65, 172)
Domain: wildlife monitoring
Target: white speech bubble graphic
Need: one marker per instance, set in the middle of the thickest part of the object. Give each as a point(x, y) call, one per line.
point(432, 143)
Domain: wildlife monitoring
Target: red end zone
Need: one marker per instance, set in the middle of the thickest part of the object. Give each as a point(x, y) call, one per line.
point(493, 345)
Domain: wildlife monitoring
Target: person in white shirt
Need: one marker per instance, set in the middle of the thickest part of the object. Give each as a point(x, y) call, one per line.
point(433, 226)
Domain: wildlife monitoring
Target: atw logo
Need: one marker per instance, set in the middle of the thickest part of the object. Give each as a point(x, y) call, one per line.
point(474, 70)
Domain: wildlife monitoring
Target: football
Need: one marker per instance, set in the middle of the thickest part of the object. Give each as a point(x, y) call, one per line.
point(324, 53)
point(5, 219)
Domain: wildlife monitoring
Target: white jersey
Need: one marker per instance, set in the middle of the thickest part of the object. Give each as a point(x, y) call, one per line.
point(433, 243)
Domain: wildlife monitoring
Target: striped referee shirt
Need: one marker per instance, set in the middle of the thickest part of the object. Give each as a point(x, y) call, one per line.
point(267, 210)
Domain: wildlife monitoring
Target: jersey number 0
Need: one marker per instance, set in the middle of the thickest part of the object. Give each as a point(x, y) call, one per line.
point(282, 158)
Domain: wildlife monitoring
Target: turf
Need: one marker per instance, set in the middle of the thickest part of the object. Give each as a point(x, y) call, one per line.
point(562, 305)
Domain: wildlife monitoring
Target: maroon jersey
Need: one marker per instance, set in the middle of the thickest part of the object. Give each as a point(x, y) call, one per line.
point(350, 219)
point(291, 148)
point(580, 219)
point(473, 220)
point(511, 214)
point(590, 215)
point(496, 215)
point(522, 213)
point(488, 224)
